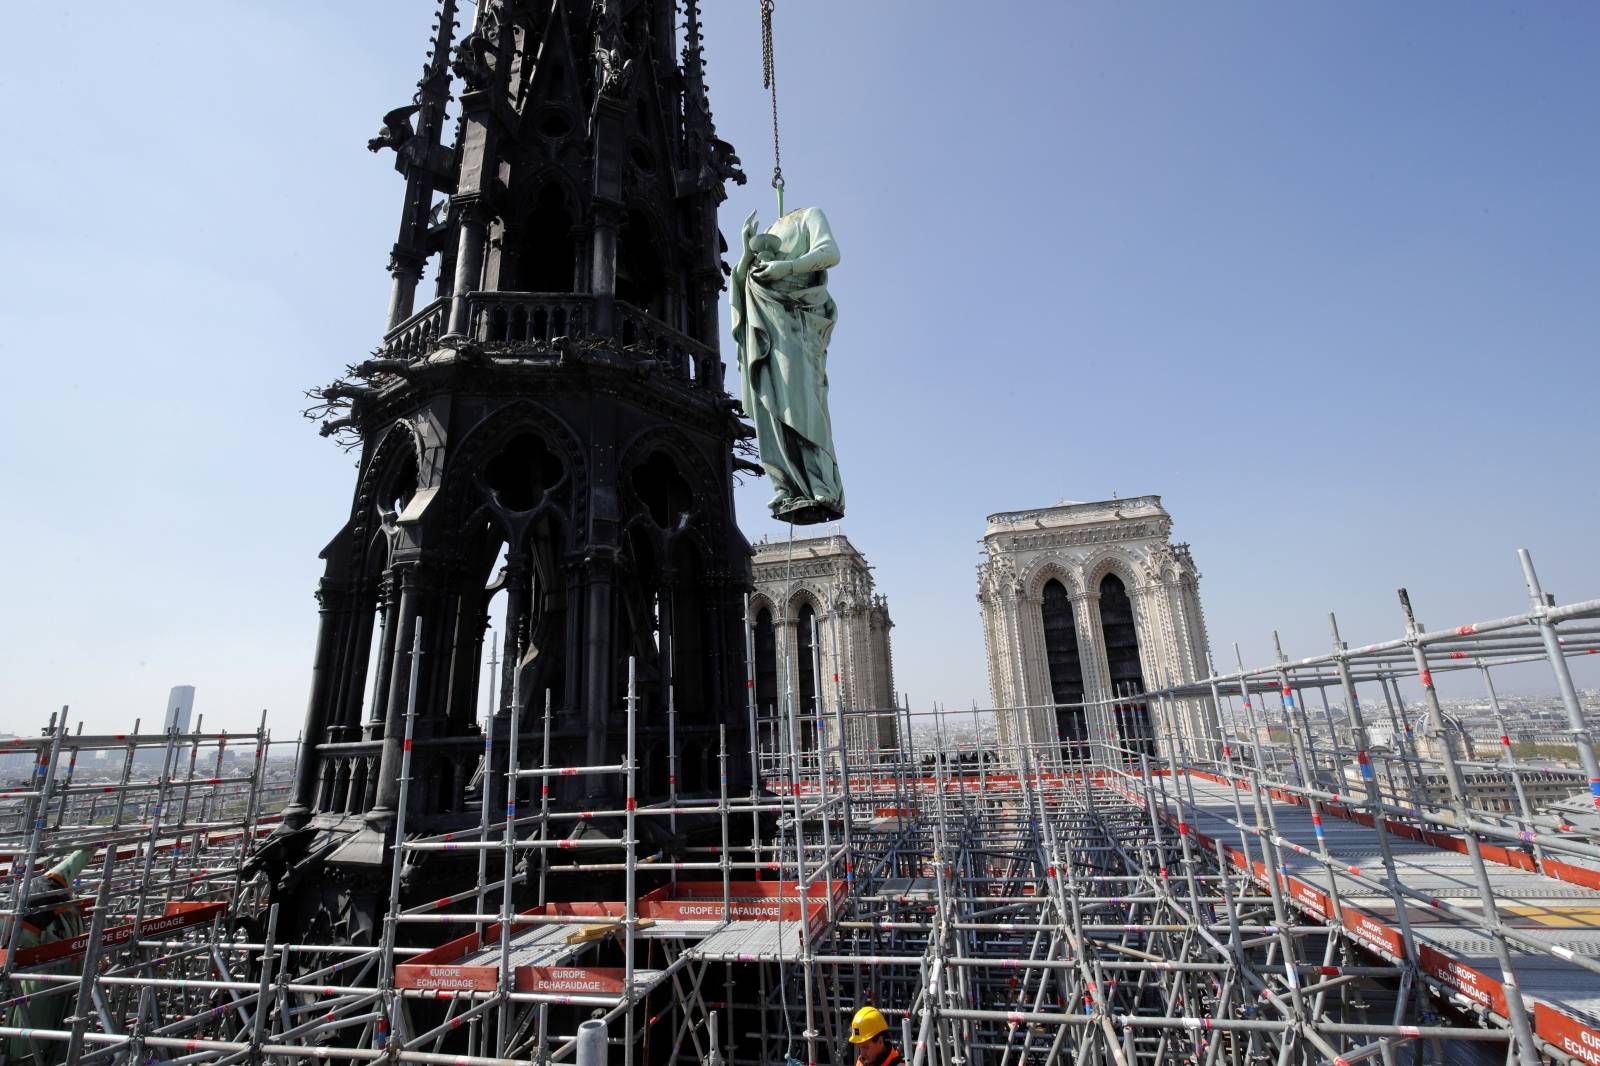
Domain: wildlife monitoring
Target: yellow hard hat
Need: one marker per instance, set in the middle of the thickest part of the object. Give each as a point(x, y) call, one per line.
point(867, 1023)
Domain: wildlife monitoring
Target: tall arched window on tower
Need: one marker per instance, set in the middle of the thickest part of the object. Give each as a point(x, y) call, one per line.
point(640, 275)
point(805, 685)
point(1122, 658)
point(1066, 669)
point(766, 639)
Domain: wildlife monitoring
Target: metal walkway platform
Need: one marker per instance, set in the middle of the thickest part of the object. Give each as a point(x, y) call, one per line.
point(1561, 917)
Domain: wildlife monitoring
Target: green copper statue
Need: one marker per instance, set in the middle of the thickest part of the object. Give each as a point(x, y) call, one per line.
point(782, 319)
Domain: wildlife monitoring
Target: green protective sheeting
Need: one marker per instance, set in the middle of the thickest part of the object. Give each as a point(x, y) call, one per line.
point(783, 319)
point(53, 914)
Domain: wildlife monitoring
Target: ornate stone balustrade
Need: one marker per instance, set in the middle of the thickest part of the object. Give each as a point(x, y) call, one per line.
point(522, 317)
point(440, 769)
point(415, 336)
point(540, 317)
point(686, 357)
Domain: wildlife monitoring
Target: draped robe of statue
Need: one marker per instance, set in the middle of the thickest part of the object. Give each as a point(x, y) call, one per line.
point(782, 326)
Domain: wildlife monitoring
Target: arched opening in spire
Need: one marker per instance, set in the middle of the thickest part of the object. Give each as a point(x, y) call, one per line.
point(641, 278)
point(1122, 660)
point(547, 254)
point(1066, 669)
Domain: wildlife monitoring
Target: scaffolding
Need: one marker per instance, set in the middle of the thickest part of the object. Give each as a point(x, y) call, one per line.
point(1215, 873)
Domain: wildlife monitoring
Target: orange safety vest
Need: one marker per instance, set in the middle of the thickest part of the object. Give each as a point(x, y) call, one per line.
point(892, 1057)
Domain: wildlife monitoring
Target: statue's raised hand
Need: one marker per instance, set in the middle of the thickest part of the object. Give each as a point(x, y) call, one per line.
point(773, 270)
point(751, 228)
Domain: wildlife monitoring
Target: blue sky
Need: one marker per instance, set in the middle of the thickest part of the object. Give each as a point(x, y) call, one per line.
point(1322, 276)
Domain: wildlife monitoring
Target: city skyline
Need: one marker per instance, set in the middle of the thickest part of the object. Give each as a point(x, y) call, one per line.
point(1397, 408)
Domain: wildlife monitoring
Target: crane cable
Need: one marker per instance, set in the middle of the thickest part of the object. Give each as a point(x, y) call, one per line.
point(769, 81)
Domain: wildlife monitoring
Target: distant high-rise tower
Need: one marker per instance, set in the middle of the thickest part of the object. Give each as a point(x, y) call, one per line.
point(550, 427)
point(180, 708)
point(1084, 603)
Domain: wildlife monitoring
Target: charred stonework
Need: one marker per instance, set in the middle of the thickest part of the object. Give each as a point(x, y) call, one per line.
point(550, 427)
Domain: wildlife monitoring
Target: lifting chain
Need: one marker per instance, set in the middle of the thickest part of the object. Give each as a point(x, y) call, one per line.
point(769, 81)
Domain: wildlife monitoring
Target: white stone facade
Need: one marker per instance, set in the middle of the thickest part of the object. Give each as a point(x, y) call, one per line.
point(1040, 658)
point(828, 580)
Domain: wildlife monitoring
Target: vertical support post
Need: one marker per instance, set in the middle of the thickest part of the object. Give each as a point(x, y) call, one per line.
point(43, 781)
point(268, 955)
point(91, 960)
point(668, 640)
point(1369, 782)
point(725, 859)
point(755, 737)
point(485, 792)
point(544, 798)
point(632, 921)
point(1581, 736)
point(156, 816)
point(1524, 808)
point(1527, 1052)
point(844, 756)
point(592, 1049)
point(508, 866)
point(397, 851)
point(819, 733)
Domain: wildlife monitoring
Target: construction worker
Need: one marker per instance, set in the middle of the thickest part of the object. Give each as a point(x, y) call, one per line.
point(869, 1032)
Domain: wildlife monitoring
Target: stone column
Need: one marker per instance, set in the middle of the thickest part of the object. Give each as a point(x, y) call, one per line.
point(1092, 646)
point(405, 267)
point(669, 666)
point(1146, 631)
point(516, 586)
point(344, 698)
point(331, 600)
point(993, 642)
point(372, 728)
point(1096, 665)
point(598, 698)
point(473, 236)
point(386, 803)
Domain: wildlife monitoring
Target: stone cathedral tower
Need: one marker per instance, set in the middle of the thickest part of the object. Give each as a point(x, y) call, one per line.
point(547, 423)
point(1086, 603)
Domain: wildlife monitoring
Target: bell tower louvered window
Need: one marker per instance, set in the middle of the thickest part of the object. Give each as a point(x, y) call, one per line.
point(1122, 658)
point(1066, 669)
